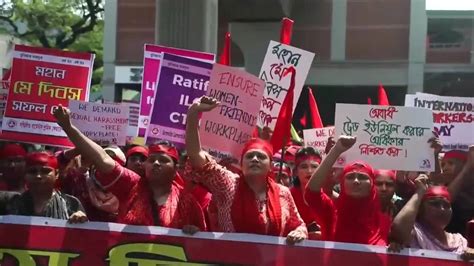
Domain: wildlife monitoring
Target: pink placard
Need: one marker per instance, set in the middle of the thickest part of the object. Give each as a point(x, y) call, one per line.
point(151, 67)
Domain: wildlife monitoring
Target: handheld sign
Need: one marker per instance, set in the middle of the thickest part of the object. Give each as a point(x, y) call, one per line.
point(388, 137)
point(453, 118)
point(181, 81)
point(153, 54)
point(318, 137)
point(103, 123)
point(226, 129)
point(41, 79)
point(278, 59)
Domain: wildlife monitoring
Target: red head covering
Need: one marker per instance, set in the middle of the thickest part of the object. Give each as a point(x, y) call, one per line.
point(245, 214)
point(284, 169)
point(459, 155)
point(259, 144)
point(168, 150)
point(11, 150)
point(311, 157)
point(390, 173)
point(359, 219)
point(42, 158)
point(437, 192)
point(138, 149)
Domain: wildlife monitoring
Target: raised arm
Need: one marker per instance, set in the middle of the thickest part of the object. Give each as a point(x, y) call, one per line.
point(403, 223)
point(317, 180)
point(437, 147)
point(88, 148)
point(197, 157)
point(467, 172)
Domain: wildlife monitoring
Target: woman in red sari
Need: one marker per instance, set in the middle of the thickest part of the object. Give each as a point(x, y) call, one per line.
point(307, 161)
point(355, 217)
point(156, 199)
point(248, 203)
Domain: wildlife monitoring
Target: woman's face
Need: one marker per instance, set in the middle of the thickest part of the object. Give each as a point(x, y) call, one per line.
point(357, 185)
point(385, 186)
point(159, 168)
point(436, 212)
point(40, 178)
point(136, 163)
point(451, 167)
point(255, 162)
point(305, 170)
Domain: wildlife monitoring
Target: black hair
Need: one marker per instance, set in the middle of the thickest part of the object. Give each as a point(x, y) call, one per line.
point(307, 151)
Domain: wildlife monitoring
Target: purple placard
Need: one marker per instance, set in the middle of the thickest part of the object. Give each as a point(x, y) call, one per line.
point(180, 82)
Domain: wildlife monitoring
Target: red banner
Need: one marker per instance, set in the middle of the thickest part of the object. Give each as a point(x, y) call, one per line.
point(41, 79)
point(34, 241)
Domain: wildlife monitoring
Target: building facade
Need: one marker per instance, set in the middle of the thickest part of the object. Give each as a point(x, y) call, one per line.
point(359, 44)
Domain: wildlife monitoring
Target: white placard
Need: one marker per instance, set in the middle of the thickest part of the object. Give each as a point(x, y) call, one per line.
point(104, 123)
point(453, 118)
point(275, 72)
point(318, 137)
point(388, 137)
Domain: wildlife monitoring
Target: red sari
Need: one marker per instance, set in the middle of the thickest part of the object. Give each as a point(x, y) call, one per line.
point(351, 220)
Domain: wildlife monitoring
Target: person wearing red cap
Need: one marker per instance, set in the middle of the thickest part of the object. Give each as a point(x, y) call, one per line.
point(421, 222)
point(248, 203)
point(355, 216)
point(390, 203)
point(156, 199)
point(136, 157)
point(461, 165)
point(282, 172)
point(307, 161)
point(451, 165)
point(41, 198)
point(12, 167)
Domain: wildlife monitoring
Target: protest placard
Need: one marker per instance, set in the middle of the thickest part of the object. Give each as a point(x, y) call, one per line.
point(181, 81)
point(318, 137)
point(274, 72)
point(151, 66)
point(105, 124)
point(226, 129)
point(42, 79)
point(452, 116)
point(388, 137)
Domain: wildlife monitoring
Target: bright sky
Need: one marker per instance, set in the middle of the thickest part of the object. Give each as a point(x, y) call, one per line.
point(449, 4)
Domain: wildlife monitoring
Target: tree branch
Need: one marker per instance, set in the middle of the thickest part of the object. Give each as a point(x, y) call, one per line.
point(43, 40)
point(11, 23)
point(79, 28)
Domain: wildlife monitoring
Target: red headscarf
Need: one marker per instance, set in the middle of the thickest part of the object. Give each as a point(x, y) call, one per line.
point(455, 154)
point(390, 173)
point(43, 159)
point(359, 219)
point(245, 214)
point(437, 192)
point(140, 210)
point(11, 150)
point(284, 169)
point(137, 149)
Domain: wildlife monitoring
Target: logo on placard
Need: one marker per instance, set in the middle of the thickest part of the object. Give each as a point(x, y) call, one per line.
point(11, 124)
point(155, 131)
point(145, 122)
point(425, 164)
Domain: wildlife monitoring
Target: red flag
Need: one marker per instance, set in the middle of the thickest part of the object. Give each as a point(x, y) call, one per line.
point(369, 100)
point(282, 132)
point(314, 111)
point(225, 55)
point(303, 121)
point(286, 30)
point(383, 99)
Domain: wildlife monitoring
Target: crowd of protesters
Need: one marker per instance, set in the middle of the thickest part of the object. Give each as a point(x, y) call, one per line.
point(297, 194)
